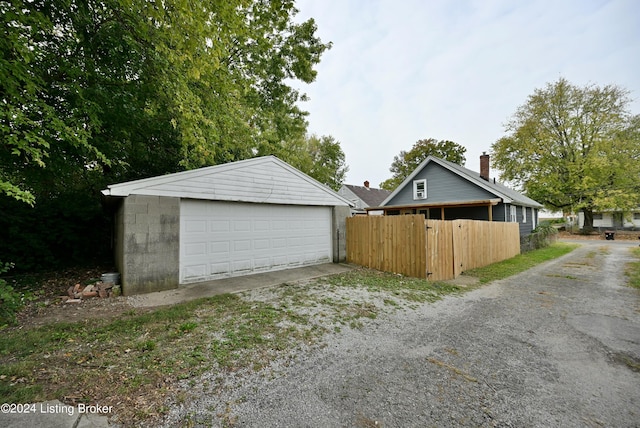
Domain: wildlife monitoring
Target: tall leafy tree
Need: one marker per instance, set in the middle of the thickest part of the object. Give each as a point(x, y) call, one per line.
point(101, 91)
point(574, 148)
point(319, 157)
point(133, 88)
point(406, 162)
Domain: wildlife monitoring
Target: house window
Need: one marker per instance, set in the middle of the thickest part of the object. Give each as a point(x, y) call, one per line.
point(636, 216)
point(513, 214)
point(420, 189)
point(524, 214)
point(597, 216)
point(533, 218)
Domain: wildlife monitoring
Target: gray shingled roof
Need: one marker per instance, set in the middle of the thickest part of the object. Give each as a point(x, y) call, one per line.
point(372, 197)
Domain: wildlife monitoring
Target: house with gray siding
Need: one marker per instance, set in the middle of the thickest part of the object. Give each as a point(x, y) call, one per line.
point(443, 190)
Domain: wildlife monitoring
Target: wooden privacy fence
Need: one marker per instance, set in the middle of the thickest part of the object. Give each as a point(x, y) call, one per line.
point(432, 249)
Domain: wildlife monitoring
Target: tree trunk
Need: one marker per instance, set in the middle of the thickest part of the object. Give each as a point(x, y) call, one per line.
point(587, 227)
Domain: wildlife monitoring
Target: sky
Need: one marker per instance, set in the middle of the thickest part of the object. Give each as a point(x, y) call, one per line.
point(404, 70)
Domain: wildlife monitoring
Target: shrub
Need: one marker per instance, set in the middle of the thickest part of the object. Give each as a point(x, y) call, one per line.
point(11, 301)
point(542, 236)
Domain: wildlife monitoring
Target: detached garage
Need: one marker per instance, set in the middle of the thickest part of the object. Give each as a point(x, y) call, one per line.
point(240, 218)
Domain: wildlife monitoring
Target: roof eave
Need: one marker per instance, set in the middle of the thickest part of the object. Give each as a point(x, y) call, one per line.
point(139, 186)
point(480, 202)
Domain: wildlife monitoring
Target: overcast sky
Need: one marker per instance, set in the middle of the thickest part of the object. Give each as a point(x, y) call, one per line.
point(404, 70)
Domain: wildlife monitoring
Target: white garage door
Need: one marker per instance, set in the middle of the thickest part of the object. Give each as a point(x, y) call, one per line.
point(223, 239)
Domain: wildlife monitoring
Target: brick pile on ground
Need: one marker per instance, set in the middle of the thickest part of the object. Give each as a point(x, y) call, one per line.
point(77, 293)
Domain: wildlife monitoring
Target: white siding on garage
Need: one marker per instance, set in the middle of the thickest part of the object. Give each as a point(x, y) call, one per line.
point(224, 239)
point(260, 180)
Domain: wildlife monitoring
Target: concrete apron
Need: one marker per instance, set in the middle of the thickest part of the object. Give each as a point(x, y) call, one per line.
point(188, 292)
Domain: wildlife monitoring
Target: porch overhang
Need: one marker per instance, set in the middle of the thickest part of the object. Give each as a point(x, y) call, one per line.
point(442, 205)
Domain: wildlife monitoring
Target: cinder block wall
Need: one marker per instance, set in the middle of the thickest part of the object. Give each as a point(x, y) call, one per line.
point(150, 244)
point(340, 215)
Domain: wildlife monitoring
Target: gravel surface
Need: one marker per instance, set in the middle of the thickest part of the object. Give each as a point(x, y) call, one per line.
point(556, 346)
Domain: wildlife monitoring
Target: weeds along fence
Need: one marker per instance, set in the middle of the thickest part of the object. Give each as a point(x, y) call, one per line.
point(432, 249)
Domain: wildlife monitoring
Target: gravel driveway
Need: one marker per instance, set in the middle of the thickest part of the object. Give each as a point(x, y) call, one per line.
point(556, 346)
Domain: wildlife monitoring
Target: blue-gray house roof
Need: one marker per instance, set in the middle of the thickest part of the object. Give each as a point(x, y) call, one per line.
point(481, 190)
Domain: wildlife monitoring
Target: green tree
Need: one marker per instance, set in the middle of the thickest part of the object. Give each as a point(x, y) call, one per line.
point(319, 157)
point(574, 148)
point(125, 89)
point(406, 162)
point(103, 91)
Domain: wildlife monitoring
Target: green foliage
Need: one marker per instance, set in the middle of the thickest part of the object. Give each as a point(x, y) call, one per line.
point(542, 236)
point(11, 301)
point(406, 162)
point(574, 148)
point(520, 263)
point(319, 157)
point(68, 230)
point(137, 88)
point(100, 92)
point(633, 270)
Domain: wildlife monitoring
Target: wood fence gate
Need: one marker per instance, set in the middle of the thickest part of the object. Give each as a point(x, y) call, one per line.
point(433, 249)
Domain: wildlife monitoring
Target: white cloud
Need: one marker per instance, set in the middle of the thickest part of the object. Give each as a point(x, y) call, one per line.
point(400, 71)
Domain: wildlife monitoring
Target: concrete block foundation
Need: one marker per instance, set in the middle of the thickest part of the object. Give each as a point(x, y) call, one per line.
point(148, 243)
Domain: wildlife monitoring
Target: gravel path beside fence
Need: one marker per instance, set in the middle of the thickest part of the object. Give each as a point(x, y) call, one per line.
point(558, 345)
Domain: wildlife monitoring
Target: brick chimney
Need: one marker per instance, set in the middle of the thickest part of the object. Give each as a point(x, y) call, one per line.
point(484, 166)
point(366, 184)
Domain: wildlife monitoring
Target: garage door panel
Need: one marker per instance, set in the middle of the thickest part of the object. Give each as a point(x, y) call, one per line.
point(196, 271)
point(219, 268)
point(242, 246)
point(196, 248)
point(219, 248)
point(278, 261)
point(219, 225)
point(279, 225)
point(262, 244)
point(195, 226)
point(262, 226)
point(241, 267)
point(262, 263)
point(244, 238)
point(242, 226)
point(279, 243)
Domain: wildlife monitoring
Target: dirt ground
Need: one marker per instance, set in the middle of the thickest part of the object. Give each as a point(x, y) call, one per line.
point(49, 305)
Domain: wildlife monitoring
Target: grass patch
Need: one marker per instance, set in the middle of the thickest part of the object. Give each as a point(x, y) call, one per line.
point(632, 270)
point(141, 354)
point(520, 263)
point(406, 288)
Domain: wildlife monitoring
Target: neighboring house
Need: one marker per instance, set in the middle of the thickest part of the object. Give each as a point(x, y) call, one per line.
point(363, 197)
point(443, 190)
point(613, 220)
point(239, 218)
